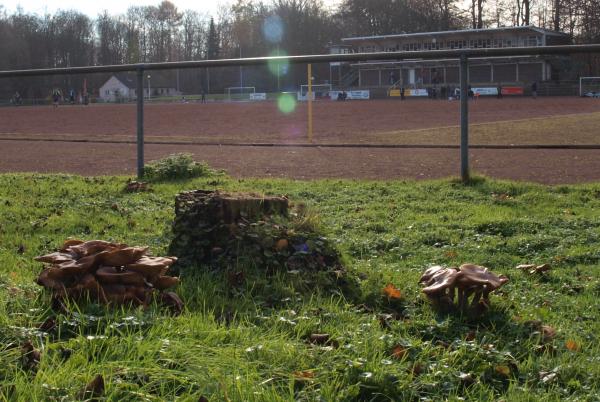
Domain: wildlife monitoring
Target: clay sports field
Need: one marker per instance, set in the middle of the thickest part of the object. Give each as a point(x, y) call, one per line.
point(377, 139)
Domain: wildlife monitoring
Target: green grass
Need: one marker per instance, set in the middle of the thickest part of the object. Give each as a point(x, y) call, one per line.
point(245, 345)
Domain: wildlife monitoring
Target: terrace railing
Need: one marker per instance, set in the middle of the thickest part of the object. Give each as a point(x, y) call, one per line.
point(460, 54)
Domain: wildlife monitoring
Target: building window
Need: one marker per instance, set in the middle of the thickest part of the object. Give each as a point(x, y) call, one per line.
point(532, 41)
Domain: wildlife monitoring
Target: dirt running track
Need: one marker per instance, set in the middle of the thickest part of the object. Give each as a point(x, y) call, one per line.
point(338, 122)
point(543, 166)
point(335, 122)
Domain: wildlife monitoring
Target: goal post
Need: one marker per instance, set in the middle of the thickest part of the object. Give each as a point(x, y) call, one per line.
point(319, 91)
point(589, 86)
point(239, 93)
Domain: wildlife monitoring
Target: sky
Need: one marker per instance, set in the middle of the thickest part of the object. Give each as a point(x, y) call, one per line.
point(93, 8)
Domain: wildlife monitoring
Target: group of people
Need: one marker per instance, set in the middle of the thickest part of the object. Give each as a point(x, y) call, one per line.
point(71, 98)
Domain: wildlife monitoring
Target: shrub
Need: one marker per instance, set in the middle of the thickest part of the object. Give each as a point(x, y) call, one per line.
point(177, 166)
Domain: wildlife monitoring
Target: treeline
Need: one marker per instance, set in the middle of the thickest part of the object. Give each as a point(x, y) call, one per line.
point(251, 28)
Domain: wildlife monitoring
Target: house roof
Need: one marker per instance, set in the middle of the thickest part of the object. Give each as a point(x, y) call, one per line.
point(530, 28)
point(157, 80)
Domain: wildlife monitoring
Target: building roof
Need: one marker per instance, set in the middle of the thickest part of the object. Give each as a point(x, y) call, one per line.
point(530, 28)
point(157, 80)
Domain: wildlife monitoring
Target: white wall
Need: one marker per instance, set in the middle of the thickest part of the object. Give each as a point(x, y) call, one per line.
point(113, 89)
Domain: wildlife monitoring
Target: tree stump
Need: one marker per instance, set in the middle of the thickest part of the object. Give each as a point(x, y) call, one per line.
point(206, 220)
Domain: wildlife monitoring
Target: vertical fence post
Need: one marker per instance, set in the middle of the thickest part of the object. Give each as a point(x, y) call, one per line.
point(140, 122)
point(309, 99)
point(464, 118)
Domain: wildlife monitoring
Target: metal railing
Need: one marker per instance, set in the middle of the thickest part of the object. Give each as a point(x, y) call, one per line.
point(461, 54)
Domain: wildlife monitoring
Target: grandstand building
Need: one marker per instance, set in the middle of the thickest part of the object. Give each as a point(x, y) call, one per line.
point(418, 73)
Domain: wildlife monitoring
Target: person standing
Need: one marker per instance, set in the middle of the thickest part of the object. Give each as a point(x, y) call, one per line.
point(55, 97)
point(203, 99)
point(534, 89)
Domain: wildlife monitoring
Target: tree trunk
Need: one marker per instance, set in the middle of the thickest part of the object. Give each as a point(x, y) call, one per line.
point(556, 16)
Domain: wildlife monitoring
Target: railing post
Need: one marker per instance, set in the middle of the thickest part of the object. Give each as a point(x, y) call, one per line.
point(464, 118)
point(140, 122)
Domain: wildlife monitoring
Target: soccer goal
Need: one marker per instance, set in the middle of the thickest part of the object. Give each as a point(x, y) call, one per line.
point(319, 91)
point(239, 93)
point(589, 87)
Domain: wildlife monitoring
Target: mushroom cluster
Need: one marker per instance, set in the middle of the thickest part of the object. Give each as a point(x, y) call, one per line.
point(106, 272)
point(444, 285)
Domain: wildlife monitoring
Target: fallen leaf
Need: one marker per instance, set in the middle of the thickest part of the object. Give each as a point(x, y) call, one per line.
point(30, 357)
point(547, 376)
point(466, 379)
point(281, 244)
point(48, 326)
point(572, 345)
point(548, 333)
point(323, 339)
point(399, 352)
point(93, 389)
point(304, 375)
point(392, 292)
point(503, 370)
point(450, 254)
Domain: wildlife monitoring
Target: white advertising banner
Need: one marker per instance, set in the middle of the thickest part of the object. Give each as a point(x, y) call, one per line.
point(487, 91)
point(258, 96)
point(355, 95)
point(417, 92)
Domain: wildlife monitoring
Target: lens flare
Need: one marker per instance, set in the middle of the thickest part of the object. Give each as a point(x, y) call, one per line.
point(278, 66)
point(286, 103)
point(273, 29)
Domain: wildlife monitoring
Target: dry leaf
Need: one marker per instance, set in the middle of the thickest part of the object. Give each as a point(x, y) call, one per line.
point(93, 389)
point(391, 291)
point(572, 345)
point(30, 357)
point(399, 352)
point(319, 339)
point(281, 244)
point(450, 254)
point(503, 370)
point(548, 333)
point(304, 375)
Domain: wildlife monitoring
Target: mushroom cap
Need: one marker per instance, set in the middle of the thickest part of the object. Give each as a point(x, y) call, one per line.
point(69, 243)
point(56, 258)
point(430, 272)
point(123, 256)
point(471, 274)
point(111, 275)
point(91, 247)
point(165, 282)
point(51, 278)
point(441, 280)
point(151, 267)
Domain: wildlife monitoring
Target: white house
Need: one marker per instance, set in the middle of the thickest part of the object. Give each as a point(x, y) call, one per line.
point(122, 87)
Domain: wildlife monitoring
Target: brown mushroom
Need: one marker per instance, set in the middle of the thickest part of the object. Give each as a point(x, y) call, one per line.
point(114, 275)
point(152, 267)
point(123, 256)
point(56, 258)
point(466, 281)
point(69, 243)
point(107, 272)
point(165, 282)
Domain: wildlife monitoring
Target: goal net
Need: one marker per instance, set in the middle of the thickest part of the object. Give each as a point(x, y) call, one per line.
point(589, 86)
point(239, 93)
point(319, 91)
